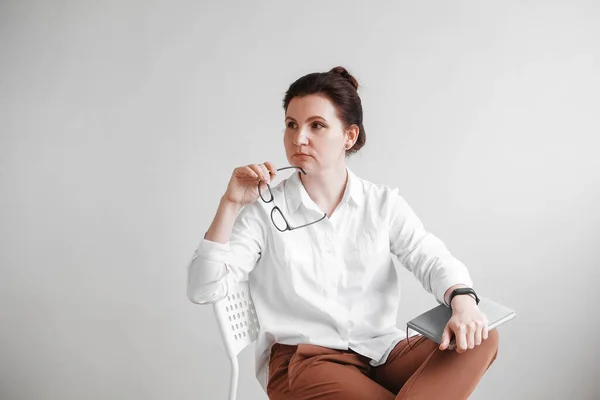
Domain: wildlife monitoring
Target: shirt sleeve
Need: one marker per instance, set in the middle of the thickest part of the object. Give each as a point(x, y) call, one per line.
point(421, 252)
point(214, 267)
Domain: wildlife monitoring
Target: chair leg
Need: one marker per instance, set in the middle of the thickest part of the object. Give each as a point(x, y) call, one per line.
point(233, 383)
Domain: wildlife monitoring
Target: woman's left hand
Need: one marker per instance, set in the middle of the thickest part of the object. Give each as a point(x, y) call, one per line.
point(468, 325)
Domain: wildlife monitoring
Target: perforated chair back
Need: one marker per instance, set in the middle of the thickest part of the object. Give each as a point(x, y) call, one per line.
point(238, 324)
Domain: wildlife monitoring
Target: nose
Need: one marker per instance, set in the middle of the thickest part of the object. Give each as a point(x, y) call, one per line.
point(300, 139)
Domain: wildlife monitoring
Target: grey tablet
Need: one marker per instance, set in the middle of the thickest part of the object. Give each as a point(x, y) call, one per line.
point(431, 324)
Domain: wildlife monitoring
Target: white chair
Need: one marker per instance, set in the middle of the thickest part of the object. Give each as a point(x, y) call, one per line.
point(236, 317)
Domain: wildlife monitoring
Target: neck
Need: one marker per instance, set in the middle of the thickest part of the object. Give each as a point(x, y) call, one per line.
point(326, 187)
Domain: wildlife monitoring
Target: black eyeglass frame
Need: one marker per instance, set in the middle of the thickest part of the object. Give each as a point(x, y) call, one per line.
point(276, 208)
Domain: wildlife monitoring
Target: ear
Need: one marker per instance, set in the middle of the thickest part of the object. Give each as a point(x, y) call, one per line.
point(351, 135)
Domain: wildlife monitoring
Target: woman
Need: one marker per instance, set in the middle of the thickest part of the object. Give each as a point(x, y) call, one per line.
point(319, 267)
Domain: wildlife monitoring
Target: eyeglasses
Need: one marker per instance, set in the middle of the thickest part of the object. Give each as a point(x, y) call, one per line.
point(277, 217)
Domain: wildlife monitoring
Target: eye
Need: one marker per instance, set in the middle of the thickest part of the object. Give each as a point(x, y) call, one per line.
point(291, 124)
point(318, 125)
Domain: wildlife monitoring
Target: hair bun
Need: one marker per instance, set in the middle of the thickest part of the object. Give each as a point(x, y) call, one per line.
point(344, 74)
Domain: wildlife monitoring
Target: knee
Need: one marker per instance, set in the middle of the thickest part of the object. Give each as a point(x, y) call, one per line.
point(493, 337)
point(492, 342)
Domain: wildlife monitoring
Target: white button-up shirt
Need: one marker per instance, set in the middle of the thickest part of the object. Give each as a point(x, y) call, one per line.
point(332, 283)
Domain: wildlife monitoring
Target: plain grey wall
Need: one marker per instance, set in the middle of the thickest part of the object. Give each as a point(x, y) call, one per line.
point(121, 122)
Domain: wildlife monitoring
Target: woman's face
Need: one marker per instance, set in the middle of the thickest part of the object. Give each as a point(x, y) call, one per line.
point(314, 138)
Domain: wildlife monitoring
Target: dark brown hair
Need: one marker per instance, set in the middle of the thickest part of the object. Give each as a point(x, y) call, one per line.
point(341, 89)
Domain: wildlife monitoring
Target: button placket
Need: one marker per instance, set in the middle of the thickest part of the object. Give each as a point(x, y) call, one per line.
point(328, 245)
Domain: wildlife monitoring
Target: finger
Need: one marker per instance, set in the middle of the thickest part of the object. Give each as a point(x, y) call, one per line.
point(271, 167)
point(258, 170)
point(257, 174)
point(471, 328)
point(461, 338)
point(265, 173)
point(478, 333)
point(485, 331)
point(445, 338)
point(248, 171)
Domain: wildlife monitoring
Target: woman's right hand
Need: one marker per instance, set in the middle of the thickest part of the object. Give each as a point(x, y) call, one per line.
point(243, 185)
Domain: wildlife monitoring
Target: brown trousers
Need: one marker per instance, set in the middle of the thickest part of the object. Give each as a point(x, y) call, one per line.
point(422, 372)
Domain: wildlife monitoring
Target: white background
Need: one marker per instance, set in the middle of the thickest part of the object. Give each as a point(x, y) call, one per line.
point(121, 121)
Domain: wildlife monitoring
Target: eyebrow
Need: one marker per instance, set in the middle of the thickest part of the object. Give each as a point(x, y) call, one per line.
point(308, 119)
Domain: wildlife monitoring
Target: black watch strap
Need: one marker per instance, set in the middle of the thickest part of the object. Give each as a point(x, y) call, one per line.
point(461, 291)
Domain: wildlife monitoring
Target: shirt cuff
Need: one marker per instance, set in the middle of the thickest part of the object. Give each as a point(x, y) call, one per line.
point(206, 271)
point(449, 281)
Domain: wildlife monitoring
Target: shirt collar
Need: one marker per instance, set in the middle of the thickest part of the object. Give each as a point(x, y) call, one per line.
point(296, 194)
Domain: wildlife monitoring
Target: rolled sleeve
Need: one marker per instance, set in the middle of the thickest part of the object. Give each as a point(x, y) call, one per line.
point(421, 252)
point(214, 266)
point(213, 251)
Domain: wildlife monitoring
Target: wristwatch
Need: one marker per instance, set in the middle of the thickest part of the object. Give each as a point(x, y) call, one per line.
point(461, 291)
